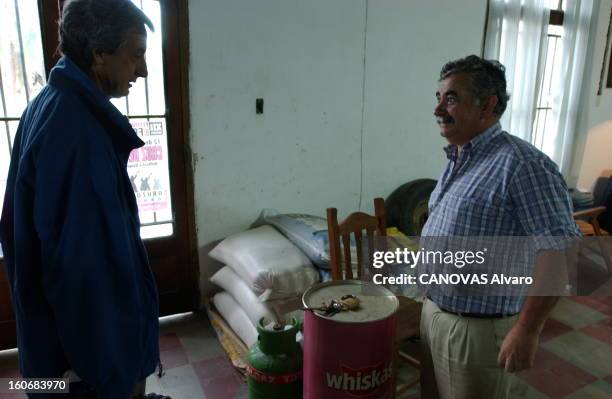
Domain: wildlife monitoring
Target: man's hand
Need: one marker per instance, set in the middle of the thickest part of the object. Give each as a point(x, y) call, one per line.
point(519, 348)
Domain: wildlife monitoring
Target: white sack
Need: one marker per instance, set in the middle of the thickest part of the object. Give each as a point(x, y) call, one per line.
point(269, 263)
point(229, 281)
point(237, 319)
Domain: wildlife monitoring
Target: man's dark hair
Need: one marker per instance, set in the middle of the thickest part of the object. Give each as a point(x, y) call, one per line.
point(488, 78)
point(97, 26)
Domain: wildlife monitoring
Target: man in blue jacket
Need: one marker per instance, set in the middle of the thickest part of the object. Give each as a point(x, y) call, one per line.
point(84, 296)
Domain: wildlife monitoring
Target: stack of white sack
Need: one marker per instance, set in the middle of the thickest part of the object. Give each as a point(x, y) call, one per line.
point(261, 265)
point(309, 233)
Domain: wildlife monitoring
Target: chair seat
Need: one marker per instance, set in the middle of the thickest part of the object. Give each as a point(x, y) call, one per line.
point(587, 229)
point(408, 318)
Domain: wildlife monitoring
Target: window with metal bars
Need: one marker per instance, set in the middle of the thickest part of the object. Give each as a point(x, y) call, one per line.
point(543, 116)
point(22, 71)
point(22, 76)
point(145, 106)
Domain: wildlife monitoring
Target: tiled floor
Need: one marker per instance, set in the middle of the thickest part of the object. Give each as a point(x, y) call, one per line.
point(574, 360)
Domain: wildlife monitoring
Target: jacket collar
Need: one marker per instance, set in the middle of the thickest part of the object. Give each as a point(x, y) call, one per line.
point(67, 76)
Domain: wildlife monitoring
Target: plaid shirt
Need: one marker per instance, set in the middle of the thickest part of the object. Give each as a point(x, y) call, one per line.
point(499, 185)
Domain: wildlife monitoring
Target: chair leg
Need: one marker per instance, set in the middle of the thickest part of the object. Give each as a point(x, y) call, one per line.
point(411, 360)
point(404, 387)
point(605, 251)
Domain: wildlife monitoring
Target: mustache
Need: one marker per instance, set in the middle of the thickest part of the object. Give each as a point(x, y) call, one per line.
point(445, 119)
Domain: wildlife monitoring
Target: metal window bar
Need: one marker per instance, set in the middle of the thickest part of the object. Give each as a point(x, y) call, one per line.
point(4, 119)
point(542, 109)
point(127, 107)
point(8, 137)
point(155, 223)
point(22, 53)
point(555, 39)
point(147, 94)
point(146, 80)
point(2, 93)
point(8, 131)
point(147, 117)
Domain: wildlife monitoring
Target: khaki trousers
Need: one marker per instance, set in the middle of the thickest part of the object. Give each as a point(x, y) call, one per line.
point(460, 356)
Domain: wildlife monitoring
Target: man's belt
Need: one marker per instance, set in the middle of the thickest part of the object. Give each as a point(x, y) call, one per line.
point(475, 315)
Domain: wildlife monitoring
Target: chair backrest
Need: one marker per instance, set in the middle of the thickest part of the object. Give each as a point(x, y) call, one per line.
point(602, 190)
point(355, 224)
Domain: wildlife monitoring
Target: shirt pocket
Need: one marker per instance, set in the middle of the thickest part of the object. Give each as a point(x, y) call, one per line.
point(477, 215)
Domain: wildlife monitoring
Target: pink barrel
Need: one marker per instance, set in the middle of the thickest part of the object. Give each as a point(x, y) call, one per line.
point(349, 355)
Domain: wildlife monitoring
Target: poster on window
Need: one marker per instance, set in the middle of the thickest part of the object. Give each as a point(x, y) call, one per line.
point(148, 170)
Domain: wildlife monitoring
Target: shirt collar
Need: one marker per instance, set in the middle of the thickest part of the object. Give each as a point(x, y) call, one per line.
point(477, 142)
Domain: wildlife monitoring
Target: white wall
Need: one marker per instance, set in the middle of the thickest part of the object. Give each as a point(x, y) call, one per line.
point(306, 59)
point(593, 148)
point(408, 42)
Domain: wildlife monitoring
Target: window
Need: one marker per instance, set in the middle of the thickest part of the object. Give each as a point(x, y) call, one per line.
point(543, 45)
point(550, 55)
point(145, 106)
point(22, 72)
point(23, 76)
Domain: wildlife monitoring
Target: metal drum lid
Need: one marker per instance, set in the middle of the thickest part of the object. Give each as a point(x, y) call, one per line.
point(376, 302)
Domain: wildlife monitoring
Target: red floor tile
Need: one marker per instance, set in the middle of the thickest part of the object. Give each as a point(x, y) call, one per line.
point(218, 378)
point(10, 373)
point(584, 300)
point(601, 331)
point(554, 376)
point(606, 322)
point(173, 358)
point(169, 341)
point(608, 379)
point(601, 304)
point(552, 329)
point(606, 299)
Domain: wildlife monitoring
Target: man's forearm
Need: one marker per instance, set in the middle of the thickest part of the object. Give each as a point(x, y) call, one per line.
point(535, 311)
point(549, 282)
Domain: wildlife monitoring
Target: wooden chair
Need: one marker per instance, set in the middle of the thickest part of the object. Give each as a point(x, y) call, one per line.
point(587, 219)
point(356, 224)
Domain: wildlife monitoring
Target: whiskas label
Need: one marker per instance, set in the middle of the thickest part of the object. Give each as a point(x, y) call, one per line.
point(360, 381)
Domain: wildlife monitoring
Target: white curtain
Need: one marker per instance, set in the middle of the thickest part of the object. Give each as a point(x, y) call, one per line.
point(567, 82)
point(516, 31)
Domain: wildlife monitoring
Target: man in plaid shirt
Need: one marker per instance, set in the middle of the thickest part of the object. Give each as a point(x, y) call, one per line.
point(494, 184)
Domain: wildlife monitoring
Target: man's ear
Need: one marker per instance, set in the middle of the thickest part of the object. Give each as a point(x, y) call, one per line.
point(98, 58)
point(488, 106)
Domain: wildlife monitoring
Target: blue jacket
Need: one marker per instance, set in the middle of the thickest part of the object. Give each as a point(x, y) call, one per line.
point(82, 288)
